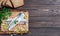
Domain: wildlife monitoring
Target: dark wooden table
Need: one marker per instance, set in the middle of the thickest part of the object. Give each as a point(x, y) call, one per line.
point(44, 17)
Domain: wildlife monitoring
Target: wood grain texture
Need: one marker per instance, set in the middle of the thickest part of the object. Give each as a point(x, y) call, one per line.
point(44, 17)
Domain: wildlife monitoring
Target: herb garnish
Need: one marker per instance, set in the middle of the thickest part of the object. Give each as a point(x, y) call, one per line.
point(4, 14)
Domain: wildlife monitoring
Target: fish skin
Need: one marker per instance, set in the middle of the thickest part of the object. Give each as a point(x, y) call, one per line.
point(19, 18)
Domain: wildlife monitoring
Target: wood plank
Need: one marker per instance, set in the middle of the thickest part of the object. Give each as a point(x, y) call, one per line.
point(43, 2)
point(45, 31)
point(44, 19)
point(45, 24)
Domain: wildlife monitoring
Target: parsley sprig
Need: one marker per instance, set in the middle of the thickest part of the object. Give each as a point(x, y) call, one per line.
point(4, 14)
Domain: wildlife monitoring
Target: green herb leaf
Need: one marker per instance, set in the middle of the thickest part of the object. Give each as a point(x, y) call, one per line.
point(4, 13)
point(15, 21)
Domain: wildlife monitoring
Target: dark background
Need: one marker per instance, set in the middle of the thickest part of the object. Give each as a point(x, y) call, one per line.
point(44, 17)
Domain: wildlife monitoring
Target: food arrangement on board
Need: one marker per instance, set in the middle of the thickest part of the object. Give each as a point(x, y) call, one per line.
point(13, 20)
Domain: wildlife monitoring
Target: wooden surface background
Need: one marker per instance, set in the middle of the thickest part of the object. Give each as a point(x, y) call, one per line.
point(44, 17)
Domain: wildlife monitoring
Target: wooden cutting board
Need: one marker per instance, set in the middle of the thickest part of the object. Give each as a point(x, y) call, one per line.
point(19, 28)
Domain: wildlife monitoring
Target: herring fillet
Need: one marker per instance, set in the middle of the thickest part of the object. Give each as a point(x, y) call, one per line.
point(18, 18)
